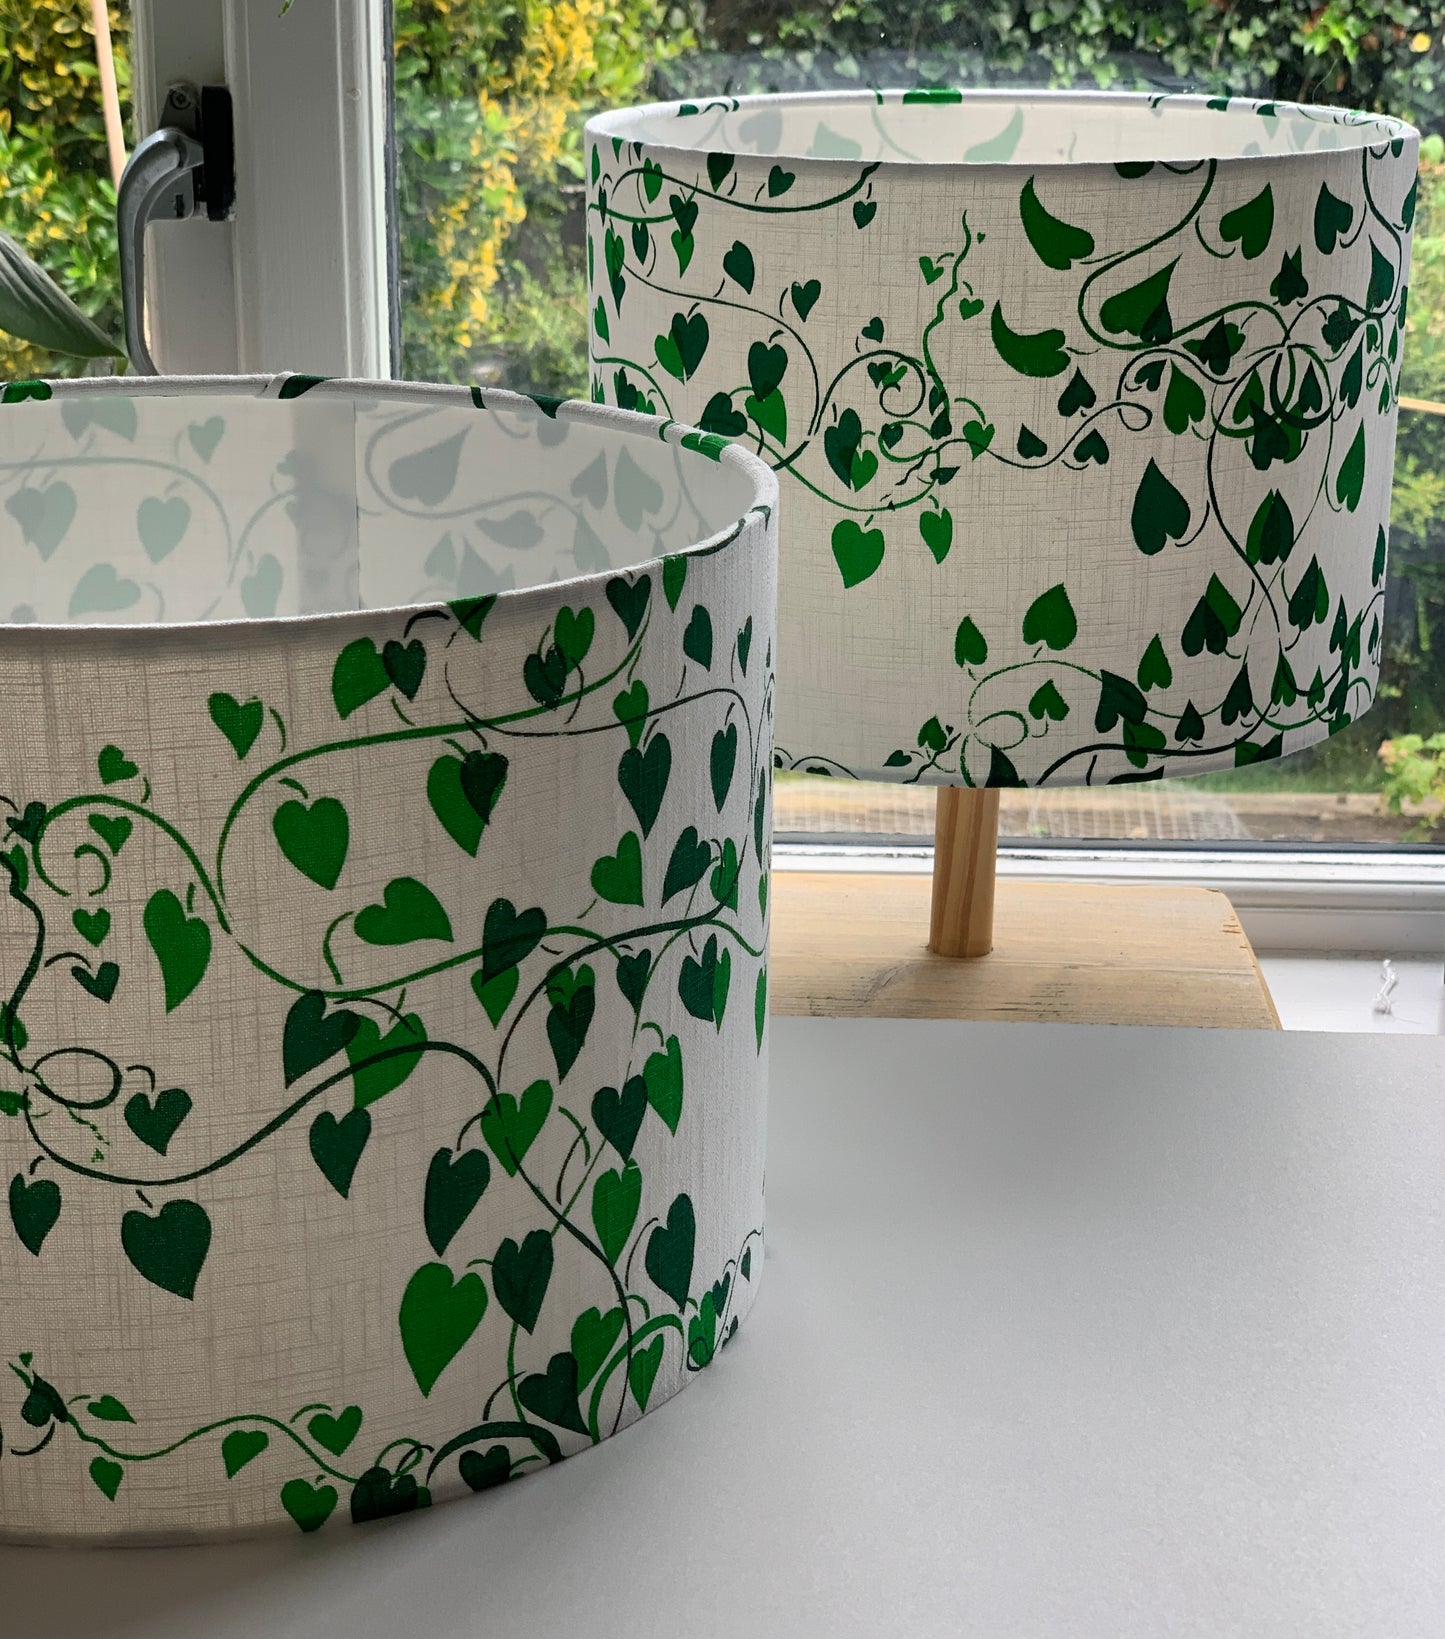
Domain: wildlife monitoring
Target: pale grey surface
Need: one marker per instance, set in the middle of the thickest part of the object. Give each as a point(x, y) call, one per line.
point(1066, 1333)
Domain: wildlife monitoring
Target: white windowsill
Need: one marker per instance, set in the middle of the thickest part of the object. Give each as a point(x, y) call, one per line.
point(1367, 903)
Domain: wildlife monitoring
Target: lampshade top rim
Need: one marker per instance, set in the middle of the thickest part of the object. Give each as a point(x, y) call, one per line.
point(626, 423)
point(627, 123)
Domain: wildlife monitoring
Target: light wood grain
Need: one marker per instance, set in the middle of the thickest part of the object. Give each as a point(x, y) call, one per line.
point(965, 865)
point(847, 945)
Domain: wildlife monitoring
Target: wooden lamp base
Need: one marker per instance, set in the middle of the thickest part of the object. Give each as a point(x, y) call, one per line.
point(965, 860)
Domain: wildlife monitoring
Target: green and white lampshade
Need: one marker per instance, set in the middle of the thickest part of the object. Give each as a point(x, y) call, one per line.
point(383, 937)
point(1083, 407)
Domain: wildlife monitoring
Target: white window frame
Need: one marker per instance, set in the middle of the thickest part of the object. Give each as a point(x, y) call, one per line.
point(301, 280)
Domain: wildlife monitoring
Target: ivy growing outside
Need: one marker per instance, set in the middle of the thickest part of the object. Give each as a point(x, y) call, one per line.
point(490, 100)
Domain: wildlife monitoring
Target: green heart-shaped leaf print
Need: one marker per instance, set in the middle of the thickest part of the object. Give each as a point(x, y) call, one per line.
point(170, 1249)
point(687, 865)
point(1333, 217)
point(437, 1319)
point(767, 365)
point(1047, 702)
point(719, 166)
point(681, 350)
point(34, 1210)
point(546, 676)
point(1160, 513)
point(509, 1127)
point(242, 1446)
point(336, 1146)
point(1184, 403)
point(109, 1410)
point(698, 982)
point(309, 1505)
point(805, 297)
point(44, 515)
point(617, 877)
point(1350, 481)
point(936, 529)
point(520, 1275)
point(315, 839)
point(162, 525)
point(182, 945)
point(91, 925)
point(1039, 354)
point(1289, 284)
point(485, 1469)
point(312, 1035)
point(1215, 619)
point(101, 591)
point(721, 762)
point(1250, 225)
point(770, 413)
point(1078, 395)
point(206, 435)
point(969, 308)
point(932, 271)
point(335, 1434)
point(618, 1116)
point(1142, 309)
point(113, 766)
point(643, 776)
point(408, 911)
point(632, 973)
point(629, 598)
point(1091, 447)
point(156, 1123)
point(719, 417)
point(429, 475)
point(864, 210)
point(1050, 619)
point(857, 551)
point(670, 1250)
point(779, 181)
point(404, 665)
point(594, 1336)
point(381, 1063)
point(630, 709)
point(616, 1199)
point(574, 1001)
point(241, 724)
point(454, 1185)
point(1029, 445)
point(969, 646)
point(739, 267)
point(509, 937)
point(463, 793)
point(261, 589)
point(662, 1076)
point(745, 644)
point(1155, 672)
point(107, 1476)
point(651, 179)
point(697, 639)
point(1056, 243)
point(1271, 531)
point(552, 1395)
point(113, 832)
point(100, 984)
point(358, 676)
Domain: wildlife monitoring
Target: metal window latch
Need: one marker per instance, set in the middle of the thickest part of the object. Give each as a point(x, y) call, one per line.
point(187, 165)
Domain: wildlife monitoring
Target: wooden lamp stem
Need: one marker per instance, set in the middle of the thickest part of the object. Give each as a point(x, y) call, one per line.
point(965, 850)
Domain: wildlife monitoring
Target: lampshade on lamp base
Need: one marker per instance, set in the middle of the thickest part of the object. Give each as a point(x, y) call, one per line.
point(1083, 407)
point(384, 784)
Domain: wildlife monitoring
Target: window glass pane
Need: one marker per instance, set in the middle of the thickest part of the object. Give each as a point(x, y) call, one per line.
point(57, 197)
point(491, 96)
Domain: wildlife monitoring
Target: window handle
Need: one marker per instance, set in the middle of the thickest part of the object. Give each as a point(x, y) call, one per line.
point(187, 163)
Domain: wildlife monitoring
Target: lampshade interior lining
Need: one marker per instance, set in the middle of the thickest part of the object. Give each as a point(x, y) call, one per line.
point(995, 128)
point(196, 507)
